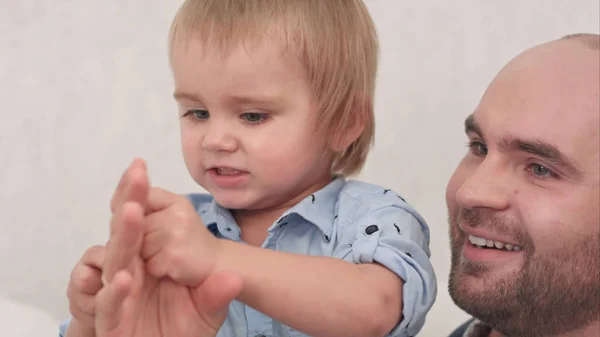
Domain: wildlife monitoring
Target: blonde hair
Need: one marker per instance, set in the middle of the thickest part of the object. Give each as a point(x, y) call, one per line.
point(335, 41)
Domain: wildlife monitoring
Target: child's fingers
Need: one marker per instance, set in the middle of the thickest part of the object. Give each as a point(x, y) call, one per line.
point(110, 302)
point(83, 306)
point(124, 244)
point(86, 279)
point(158, 266)
point(94, 256)
point(159, 227)
point(154, 242)
point(160, 199)
point(166, 252)
point(176, 264)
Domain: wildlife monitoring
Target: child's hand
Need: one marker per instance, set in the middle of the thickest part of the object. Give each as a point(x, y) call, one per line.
point(83, 286)
point(177, 244)
point(133, 303)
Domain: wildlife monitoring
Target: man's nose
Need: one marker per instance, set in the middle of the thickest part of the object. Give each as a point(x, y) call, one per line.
point(486, 187)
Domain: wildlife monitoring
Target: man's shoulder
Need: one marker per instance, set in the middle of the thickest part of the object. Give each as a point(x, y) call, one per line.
point(461, 330)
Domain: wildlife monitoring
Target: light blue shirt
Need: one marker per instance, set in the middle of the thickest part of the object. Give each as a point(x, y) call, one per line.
point(350, 220)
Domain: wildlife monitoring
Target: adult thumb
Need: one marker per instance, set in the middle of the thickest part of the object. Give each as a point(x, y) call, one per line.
point(213, 296)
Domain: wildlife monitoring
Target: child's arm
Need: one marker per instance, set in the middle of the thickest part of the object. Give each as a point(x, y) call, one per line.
point(353, 293)
point(320, 296)
point(358, 292)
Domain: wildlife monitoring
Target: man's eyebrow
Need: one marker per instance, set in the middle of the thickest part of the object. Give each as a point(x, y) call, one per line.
point(540, 149)
point(535, 147)
point(471, 126)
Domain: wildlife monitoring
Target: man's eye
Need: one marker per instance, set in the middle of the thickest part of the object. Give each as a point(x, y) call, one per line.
point(198, 114)
point(254, 117)
point(478, 148)
point(541, 171)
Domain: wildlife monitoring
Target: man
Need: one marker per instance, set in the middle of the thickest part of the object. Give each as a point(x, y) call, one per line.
point(524, 202)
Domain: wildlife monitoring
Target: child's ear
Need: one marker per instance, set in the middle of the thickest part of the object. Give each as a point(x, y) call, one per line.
point(345, 135)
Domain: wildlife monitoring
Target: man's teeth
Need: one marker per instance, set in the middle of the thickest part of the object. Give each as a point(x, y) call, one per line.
point(481, 242)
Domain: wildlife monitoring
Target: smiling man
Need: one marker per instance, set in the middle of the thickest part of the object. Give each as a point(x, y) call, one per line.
point(524, 202)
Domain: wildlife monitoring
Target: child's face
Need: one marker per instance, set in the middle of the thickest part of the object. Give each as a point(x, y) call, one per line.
point(248, 122)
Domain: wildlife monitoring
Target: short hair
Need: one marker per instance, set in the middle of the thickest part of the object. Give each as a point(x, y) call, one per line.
point(335, 41)
point(590, 40)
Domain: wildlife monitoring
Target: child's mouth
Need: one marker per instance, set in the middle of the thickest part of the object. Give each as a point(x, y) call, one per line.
point(227, 171)
point(227, 177)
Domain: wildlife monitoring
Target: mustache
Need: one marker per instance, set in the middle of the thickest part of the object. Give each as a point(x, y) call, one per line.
point(493, 222)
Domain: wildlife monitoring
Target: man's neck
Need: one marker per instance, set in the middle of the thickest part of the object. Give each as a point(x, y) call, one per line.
point(591, 330)
point(495, 333)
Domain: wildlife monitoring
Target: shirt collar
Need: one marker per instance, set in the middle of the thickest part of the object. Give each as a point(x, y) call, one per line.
point(478, 329)
point(318, 209)
point(220, 220)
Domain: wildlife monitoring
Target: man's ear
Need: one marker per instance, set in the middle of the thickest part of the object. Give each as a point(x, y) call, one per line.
point(347, 132)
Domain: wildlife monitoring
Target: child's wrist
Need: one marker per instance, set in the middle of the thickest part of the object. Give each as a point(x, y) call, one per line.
point(219, 250)
point(223, 251)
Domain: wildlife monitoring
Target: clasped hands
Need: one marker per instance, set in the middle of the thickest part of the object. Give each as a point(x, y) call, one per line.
point(157, 274)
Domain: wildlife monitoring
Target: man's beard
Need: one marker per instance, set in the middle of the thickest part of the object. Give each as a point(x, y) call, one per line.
point(554, 292)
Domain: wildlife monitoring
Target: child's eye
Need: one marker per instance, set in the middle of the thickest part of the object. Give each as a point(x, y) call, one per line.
point(254, 117)
point(197, 114)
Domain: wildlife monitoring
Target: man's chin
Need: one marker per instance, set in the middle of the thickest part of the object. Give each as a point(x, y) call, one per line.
point(477, 295)
point(467, 284)
point(473, 280)
point(484, 274)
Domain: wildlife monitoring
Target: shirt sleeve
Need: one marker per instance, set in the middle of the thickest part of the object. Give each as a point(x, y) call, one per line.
point(62, 329)
point(386, 230)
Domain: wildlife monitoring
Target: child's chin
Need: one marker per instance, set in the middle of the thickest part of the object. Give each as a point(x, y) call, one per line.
point(232, 200)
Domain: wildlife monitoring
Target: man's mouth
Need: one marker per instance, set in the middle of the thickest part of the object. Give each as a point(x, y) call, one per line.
point(484, 243)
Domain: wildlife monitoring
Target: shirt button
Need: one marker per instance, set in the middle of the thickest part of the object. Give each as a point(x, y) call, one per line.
point(371, 229)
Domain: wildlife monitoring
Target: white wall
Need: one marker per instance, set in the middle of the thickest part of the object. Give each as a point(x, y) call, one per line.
point(85, 87)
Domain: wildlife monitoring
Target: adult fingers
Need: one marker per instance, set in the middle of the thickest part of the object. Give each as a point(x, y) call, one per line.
point(110, 303)
point(133, 185)
point(125, 243)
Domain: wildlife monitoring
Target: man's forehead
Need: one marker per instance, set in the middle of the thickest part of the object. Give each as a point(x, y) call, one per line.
point(549, 93)
point(554, 75)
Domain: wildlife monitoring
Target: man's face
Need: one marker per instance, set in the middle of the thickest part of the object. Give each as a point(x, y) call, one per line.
point(528, 191)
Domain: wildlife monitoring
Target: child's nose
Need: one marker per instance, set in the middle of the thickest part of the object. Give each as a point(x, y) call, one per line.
point(219, 138)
